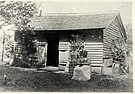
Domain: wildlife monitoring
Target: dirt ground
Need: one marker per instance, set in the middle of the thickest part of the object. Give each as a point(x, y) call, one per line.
point(30, 80)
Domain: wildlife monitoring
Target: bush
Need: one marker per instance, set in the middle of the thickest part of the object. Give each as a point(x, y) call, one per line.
point(20, 63)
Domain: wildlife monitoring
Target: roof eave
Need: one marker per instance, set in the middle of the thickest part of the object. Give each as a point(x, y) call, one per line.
point(67, 29)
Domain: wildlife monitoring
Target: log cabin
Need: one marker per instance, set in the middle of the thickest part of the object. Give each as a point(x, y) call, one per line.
point(98, 30)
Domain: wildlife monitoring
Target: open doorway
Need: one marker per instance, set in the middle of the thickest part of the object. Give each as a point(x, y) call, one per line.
point(53, 50)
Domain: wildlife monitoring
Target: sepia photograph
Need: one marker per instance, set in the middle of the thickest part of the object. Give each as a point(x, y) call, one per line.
point(57, 46)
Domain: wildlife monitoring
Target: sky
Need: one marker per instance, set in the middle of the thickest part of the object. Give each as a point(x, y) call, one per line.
point(125, 8)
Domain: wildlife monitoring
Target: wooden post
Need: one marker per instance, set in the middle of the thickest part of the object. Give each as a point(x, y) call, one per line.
point(3, 47)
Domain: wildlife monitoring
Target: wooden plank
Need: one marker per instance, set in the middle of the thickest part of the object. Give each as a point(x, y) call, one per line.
point(105, 47)
point(96, 56)
point(63, 63)
point(95, 46)
point(95, 53)
point(96, 61)
point(109, 32)
point(92, 48)
point(110, 35)
point(113, 27)
point(91, 58)
point(89, 50)
point(92, 65)
point(107, 43)
point(96, 43)
point(113, 34)
point(108, 53)
point(107, 50)
point(63, 43)
point(63, 46)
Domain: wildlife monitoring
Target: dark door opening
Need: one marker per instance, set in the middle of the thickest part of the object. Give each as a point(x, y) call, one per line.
point(53, 50)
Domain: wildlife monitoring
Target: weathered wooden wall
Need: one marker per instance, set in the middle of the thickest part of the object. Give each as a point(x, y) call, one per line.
point(112, 32)
point(93, 44)
point(63, 51)
point(95, 52)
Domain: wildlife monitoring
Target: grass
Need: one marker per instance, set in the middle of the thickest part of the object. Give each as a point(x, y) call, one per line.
point(34, 81)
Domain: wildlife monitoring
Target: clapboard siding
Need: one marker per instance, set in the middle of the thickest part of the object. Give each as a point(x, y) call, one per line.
point(63, 46)
point(110, 35)
point(94, 49)
point(63, 53)
point(112, 32)
point(121, 27)
point(95, 52)
point(114, 27)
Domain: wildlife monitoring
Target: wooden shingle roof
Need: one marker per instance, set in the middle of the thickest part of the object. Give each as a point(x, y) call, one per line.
point(72, 21)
